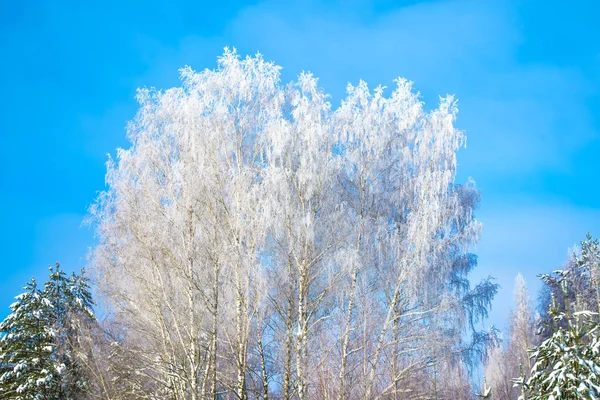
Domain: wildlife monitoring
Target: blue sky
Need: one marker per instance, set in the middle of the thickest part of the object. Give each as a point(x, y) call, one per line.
point(526, 73)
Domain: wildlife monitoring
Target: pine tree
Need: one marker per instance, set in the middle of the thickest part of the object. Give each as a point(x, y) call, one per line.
point(71, 307)
point(27, 368)
point(38, 357)
point(578, 283)
point(567, 365)
point(588, 263)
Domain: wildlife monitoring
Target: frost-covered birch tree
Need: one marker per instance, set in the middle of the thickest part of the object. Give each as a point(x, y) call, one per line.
point(254, 241)
point(513, 360)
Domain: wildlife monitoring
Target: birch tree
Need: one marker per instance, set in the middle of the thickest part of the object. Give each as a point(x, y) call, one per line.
point(511, 361)
point(255, 241)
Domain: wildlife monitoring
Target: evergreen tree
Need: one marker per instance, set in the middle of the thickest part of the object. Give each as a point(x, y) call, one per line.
point(578, 283)
point(71, 307)
point(567, 365)
point(38, 357)
point(27, 368)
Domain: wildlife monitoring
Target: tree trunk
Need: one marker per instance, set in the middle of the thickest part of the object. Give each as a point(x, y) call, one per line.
point(301, 342)
point(287, 378)
point(263, 367)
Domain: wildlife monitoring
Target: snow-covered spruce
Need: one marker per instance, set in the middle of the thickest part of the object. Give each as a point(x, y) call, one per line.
point(567, 365)
point(37, 359)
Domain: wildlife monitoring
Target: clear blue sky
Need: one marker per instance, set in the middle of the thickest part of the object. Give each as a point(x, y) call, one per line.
point(526, 73)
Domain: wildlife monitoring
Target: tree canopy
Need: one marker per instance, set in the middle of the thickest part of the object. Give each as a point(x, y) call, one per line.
point(253, 240)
